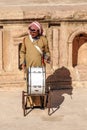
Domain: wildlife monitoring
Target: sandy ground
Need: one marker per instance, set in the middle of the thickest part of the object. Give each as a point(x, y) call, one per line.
point(71, 114)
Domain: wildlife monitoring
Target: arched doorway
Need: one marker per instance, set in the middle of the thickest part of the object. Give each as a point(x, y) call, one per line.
point(82, 55)
point(79, 50)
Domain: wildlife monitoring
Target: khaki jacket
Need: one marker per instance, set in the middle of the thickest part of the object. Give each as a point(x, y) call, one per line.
point(30, 55)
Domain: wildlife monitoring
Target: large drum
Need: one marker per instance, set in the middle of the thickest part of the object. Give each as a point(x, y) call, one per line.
point(36, 80)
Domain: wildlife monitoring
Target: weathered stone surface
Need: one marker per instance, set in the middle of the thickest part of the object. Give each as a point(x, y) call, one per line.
point(18, 2)
point(41, 11)
point(65, 25)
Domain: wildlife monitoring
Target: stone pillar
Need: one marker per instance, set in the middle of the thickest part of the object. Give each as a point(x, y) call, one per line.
point(16, 62)
point(63, 47)
point(8, 50)
point(70, 55)
point(49, 67)
point(55, 48)
point(1, 64)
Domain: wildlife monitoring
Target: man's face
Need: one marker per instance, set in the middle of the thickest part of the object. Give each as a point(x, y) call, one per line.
point(34, 33)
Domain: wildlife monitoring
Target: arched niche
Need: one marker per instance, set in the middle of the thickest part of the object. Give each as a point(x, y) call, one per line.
point(17, 43)
point(76, 41)
point(78, 49)
point(18, 40)
point(82, 54)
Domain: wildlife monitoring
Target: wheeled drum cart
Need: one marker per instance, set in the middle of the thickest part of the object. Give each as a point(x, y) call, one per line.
point(36, 77)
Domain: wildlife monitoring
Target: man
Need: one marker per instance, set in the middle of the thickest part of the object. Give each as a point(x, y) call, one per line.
point(34, 50)
point(34, 47)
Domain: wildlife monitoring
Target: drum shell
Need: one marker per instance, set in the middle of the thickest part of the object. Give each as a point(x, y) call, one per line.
point(36, 80)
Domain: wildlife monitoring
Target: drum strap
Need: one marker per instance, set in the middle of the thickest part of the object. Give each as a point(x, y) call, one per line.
point(40, 51)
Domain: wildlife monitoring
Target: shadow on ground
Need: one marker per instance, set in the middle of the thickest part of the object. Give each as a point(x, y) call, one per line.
point(59, 83)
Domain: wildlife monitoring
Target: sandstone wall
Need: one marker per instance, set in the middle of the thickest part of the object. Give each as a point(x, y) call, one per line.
point(63, 26)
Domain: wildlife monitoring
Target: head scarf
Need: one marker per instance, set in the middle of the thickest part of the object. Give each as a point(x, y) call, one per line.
point(36, 26)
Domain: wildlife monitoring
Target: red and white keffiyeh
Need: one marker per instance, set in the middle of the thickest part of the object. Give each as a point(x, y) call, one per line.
point(36, 26)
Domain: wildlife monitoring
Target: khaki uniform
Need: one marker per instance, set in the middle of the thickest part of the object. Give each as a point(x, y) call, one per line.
point(32, 57)
point(30, 54)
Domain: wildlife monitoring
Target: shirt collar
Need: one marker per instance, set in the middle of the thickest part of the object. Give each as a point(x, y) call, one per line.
point(33, 39)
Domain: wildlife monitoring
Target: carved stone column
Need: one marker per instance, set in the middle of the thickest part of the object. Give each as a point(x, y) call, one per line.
point(70, 55)
point(63, 47)
point(55, 48)
point(1, 60)
point(49, 67)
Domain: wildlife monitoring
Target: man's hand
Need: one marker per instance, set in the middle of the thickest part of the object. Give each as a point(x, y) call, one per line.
point(23, 66)
point(47, 60)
